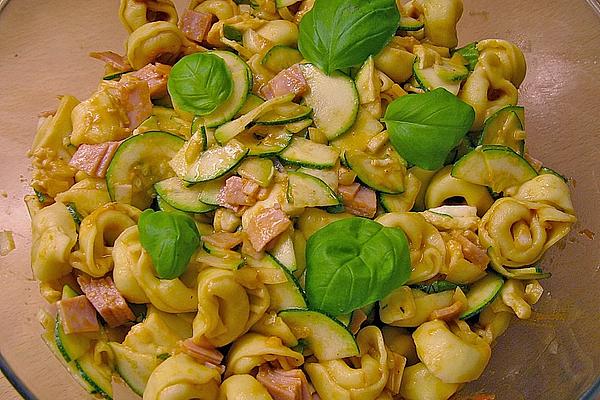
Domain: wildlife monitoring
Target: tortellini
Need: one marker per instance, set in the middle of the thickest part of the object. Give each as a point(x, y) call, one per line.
point(229, 303)
point(400, 342)
point(466, 259)
point(87, 195)
point(243, 387)
point(222, 9)
point(158, 41)
point(494, 320)
point(548, 189)
point(440, 18)
point(270, 324)
point(427, 248)
point(101, 118)
point(253, 350)
point(511, 58)
point(444, 186)
point(97, 235)
point(180, 377)
point(135, 13)
point(418, 383)
point(517, 233)
point(134, 277)
point(519, 297)
point(53, 235)
point(366, 380)
point(408, 307)
point(453, 354)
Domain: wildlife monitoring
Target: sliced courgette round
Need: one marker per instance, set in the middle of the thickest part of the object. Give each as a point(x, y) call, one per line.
point(242, 82)
point(140, 162)
point(270, 142)
point(281, 57)
point(283, 251)
point(98, 377)
point(386, 176)
point(135, 368)
point(505, 127)
point(333, 98)
point(286, 295)
point(252, 101)
point(326, 337)
point(285, 114)
point(216, 162)
point(409, 24)
point(174, 192)
point(259, 170)
point(307, 153)
point(525, 273)
point(428, 78)
point(308, 191)
point(482, 293)
point(497, 167)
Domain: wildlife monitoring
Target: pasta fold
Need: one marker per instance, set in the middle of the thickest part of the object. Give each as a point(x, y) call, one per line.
point(243, 387)
point(134, 14)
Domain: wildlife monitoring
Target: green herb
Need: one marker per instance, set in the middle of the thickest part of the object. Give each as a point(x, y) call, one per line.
point(163, 356)
point(40, 196)
point(170, 238)
point(424, 128)
point(72, 209)
point(440, 286)
point(115, 76)
point(470, 54)
point(232, 33)
point(338, 34)
point(199, 83)
point(354, 262)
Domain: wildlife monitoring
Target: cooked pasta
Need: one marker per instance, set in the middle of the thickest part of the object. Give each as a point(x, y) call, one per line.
point(291, 199)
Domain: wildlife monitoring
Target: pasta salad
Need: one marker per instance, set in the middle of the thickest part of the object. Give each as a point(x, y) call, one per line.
point(291, 200)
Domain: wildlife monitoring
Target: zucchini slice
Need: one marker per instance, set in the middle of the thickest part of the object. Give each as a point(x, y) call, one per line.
point(242, 84)
point(409, 24)
point(259, 170)
point(328, 338)
point(269, 142)
point(198, 131)
point(446, 75)
point(252, 101)
point(140, 162)
point(281, 57)
point(497, 167)
point(285, 114)
point(216, 162)
point(333, 98)
point(307, 153)
point(71, 346)
point(525, 273)
point(163, 205)
point(386, 176)
point(283, 251)
point(308, 191)
point(231, 259)
point(209, 191)
point(505, 127)
point(286, 295)
point(135, 368)
point(98, 377)
point(482, 293)
point(174, 192)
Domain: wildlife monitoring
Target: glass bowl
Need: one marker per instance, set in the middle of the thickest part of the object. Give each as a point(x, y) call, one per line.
point(554, 355)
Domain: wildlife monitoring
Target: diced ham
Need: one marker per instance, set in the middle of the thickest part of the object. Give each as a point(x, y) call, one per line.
point(359, 201)
point(206, 355)
point(472, 251)
point(266, 226)
point(223, 240)
point(290, 80)
point(449, 313)
point(195, 24)
point(106, 299)
point(135, 98)
point(116, 61)
point(77, 315)
point(284, 385)
point(156, 76)
point(93, 159)
point(238, 192)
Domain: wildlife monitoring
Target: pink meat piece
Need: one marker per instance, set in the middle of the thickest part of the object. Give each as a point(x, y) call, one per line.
point(195, 24)
point(238, 192)
point(116, 61)
point(93, 159)
point(77, 315)
point(135, 98)
point(284, 385)
point(106, 299)
point(206, 355)
point(361, 202)
point(266, 226)
point(290, 80)
point(156, 76)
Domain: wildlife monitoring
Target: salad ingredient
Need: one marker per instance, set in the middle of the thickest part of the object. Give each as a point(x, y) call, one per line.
point(106, 299)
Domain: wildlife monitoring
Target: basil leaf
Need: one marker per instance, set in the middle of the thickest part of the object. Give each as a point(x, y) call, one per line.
point(170, 238)
point(470, 54)
point(424, 128)
point(199, 83)
point(354, 262)
point(339, 34)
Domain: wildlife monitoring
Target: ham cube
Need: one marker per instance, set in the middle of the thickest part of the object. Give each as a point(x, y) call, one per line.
point(195, 24)
point(135, 98)
point(204, 354)
point(266, 226)
point(77, 315)
point(359, 200)
point(284, 385)
point(238, 192)
point(114, 60)
point(106, 299)
point(156, 76)
point(290, 80)
point(93, 159)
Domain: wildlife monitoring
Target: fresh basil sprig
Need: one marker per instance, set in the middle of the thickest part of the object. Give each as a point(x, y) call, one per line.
point(354, 262)
point(470, 54)
point(199, 83)
point(338, 34)
point(424, 128)
point(170, 238)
